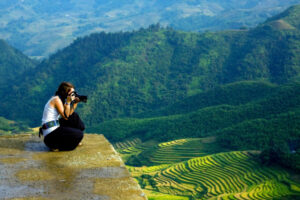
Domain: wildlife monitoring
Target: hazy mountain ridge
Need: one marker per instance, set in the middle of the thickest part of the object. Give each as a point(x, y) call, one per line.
point(39, 28)
point(289, 16)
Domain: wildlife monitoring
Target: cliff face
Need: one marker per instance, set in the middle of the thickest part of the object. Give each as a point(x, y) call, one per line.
point(28, 170)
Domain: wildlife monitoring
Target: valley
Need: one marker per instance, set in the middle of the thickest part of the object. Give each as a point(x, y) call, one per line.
point(194, 115)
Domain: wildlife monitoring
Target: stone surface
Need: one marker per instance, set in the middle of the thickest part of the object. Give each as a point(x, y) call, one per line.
point(29, 171)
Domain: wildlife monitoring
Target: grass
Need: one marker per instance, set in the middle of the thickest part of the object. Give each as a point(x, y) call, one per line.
point(281, 25)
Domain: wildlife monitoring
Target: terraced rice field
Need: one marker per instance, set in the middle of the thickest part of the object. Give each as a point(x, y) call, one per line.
point(231, 175)
point(153, 153)
point(127, 144)
point(225, 175)
point(132, 147)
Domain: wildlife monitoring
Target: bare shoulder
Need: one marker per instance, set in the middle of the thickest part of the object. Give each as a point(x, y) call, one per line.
point(56, 100)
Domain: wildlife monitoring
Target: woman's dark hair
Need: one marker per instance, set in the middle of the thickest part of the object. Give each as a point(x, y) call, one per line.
point(63, 90)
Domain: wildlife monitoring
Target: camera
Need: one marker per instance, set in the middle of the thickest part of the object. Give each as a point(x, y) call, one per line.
point(81, 97)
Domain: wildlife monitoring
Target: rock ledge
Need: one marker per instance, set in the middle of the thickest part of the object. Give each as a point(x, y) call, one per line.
point(29, 171)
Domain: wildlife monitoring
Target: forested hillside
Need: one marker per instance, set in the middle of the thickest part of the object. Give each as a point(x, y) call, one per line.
point(216, 144)
point(12, 63)
point(135, 72)
point(8, 127)
point(236, 93)
point(210, 120)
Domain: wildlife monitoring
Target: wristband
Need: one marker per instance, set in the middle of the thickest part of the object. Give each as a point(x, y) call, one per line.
point(67, 103)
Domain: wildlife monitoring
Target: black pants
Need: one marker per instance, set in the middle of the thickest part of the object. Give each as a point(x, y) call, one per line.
point(67, 136)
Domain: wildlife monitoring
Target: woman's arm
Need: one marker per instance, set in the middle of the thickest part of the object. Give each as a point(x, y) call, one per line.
point(74, 106)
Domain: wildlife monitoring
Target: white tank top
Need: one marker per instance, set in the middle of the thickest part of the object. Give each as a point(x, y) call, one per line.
point(49, 114)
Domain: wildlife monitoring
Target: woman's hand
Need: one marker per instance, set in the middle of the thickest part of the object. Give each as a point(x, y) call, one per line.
point(71, 98)
point(76, 100)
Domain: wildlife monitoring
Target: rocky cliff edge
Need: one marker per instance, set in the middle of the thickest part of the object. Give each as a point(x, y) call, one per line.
point(29, 171)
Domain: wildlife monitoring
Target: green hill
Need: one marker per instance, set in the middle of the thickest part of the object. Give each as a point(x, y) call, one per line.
point(289, 16)
point(205, 121)
point(268, 122)
point(8, 127)
point(12, 64)
point(236, 93)
point(135, 72)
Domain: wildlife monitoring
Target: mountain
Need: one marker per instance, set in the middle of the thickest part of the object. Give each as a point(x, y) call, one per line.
point(288, 17)
point(134, 72)
point(12, 63)
point(236, 93)
point(213, 119)
point(203, 115)
point(40, 27)
point(219, 144)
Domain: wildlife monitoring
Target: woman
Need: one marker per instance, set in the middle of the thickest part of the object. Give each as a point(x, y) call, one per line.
point(61, 126)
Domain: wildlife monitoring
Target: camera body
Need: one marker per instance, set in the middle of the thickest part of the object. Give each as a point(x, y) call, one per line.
point(81, 97)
